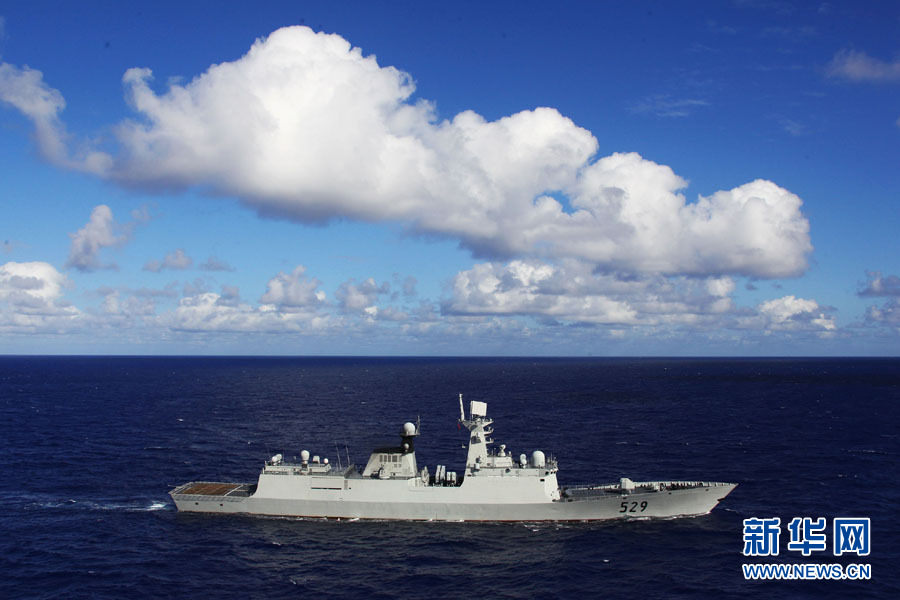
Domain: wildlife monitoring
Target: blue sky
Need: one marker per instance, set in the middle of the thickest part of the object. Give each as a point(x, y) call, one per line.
point(515, 178)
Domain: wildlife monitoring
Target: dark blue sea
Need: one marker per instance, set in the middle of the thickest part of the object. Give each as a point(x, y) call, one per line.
point(91, 446)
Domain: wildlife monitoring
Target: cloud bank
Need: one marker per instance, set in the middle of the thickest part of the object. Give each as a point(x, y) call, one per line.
point(574, 294)
point(305, 127)
point(521, 302)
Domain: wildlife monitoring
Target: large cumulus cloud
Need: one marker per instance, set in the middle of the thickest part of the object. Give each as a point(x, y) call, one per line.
point(306, 127)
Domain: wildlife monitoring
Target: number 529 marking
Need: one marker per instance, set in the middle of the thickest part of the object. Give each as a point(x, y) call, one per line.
point(634, 506)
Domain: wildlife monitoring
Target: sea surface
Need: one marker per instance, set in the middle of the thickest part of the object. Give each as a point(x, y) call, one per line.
point(91, 446)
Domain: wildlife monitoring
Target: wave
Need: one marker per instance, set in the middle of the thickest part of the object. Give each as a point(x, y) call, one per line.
point(71, 503)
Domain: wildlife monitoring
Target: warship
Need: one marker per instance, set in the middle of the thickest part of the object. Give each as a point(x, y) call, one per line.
point(495, 486)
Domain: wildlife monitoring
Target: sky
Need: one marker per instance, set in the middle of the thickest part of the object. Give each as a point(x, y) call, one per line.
point(471, 178)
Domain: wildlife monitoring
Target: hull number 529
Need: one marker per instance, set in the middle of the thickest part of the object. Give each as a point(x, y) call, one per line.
point(633, 506)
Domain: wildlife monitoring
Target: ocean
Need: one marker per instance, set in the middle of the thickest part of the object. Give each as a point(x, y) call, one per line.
point(92, 445)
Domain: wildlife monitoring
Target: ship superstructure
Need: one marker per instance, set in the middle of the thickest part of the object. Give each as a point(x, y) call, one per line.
point(494, 486)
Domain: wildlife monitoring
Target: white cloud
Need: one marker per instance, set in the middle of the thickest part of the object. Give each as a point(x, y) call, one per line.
point(231, 296)
point(36, 280)
point(361, 297)
point(211, 312)
point(881, 286)
point(878, 285)
point(25, 90)
point(783, 309)
point(31, 299)
point(521, 288)
point(504, 303)
point(791, 313)
point(632, 218)
point(721, 287)
point(573, 293)
point(118, 303)
point(292, 304)
point(888, 314)
point(859, 66)
point(176, 261)
point(325, 132)
point(293, 292)
point(99, 232)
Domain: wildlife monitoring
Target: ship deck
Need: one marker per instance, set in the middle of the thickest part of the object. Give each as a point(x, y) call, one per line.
point(591, 492)
point(214, 488)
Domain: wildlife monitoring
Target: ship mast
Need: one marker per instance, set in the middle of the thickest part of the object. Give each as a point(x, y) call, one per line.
point(479, 434)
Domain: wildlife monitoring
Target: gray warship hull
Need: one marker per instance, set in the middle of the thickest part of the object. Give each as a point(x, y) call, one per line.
point(646, 500)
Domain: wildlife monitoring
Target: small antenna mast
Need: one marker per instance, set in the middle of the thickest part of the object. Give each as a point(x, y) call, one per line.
point(462, 413)
point(338, 452)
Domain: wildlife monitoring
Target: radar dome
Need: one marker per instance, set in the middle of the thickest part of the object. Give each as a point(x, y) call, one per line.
point(304, 456)
point(537, 458)
point(409, 429)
